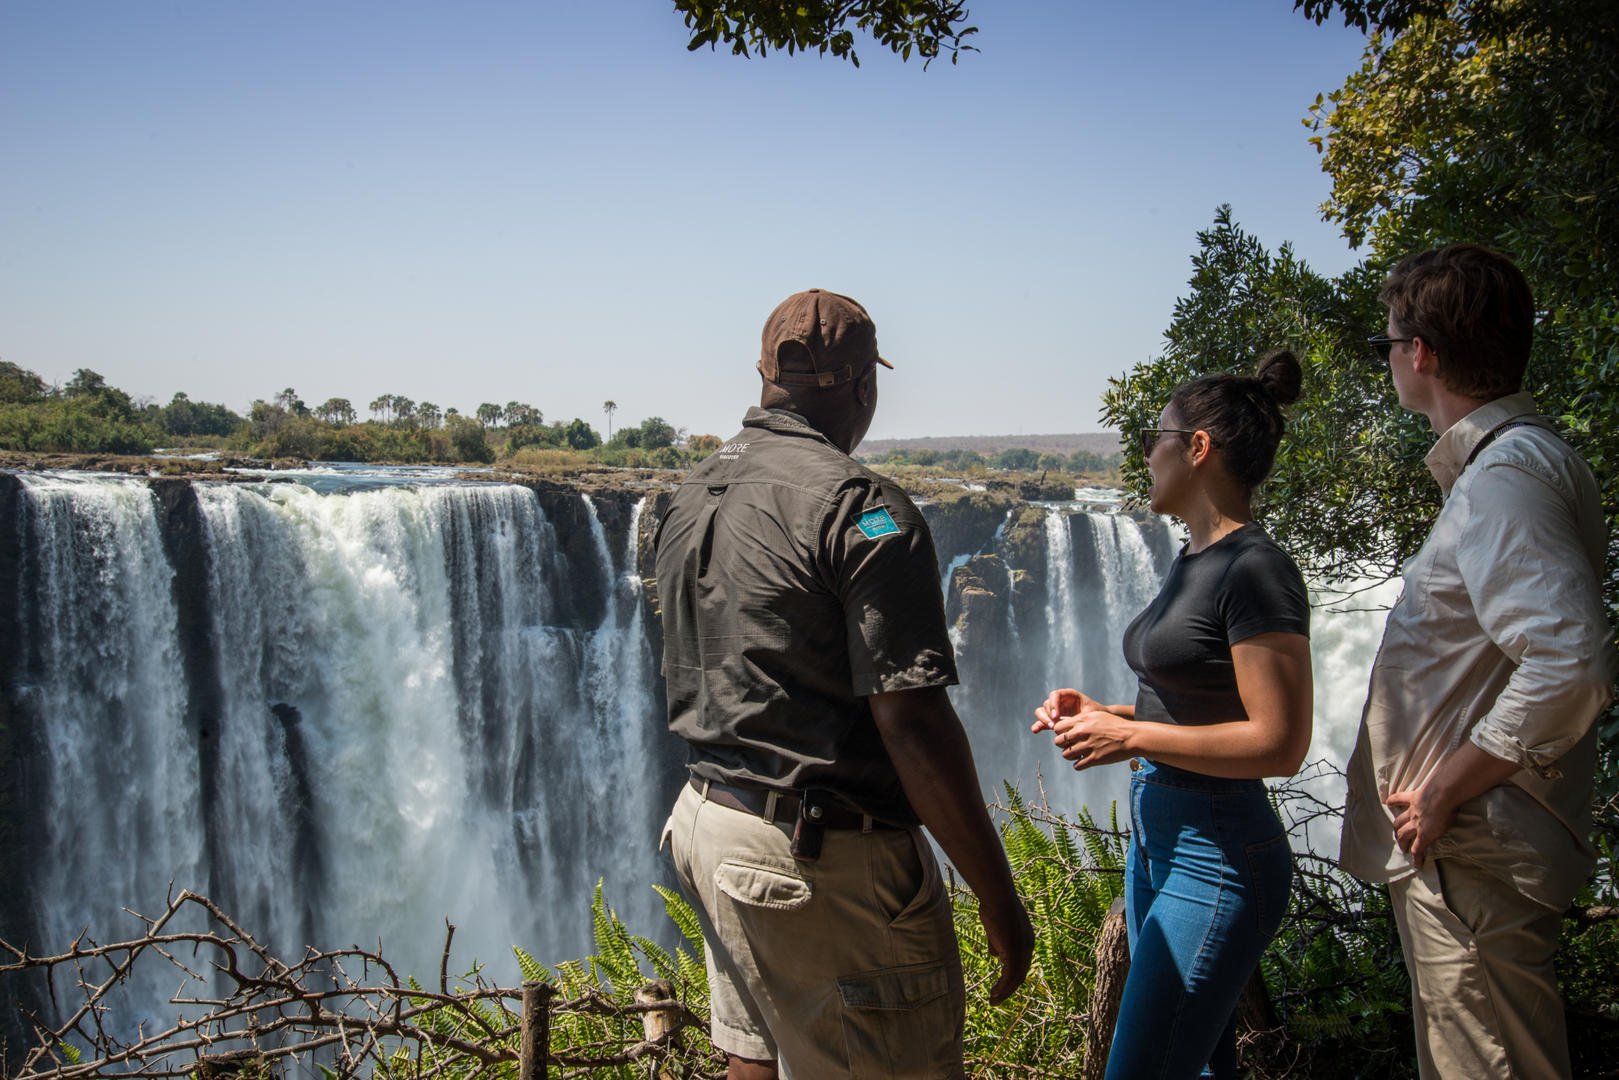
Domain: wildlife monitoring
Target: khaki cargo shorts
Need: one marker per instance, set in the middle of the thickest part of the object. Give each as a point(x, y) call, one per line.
point(844, 966)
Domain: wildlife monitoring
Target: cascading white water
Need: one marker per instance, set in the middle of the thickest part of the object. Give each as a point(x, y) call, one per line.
point(418, 717)
point(119, 772)
point(332, 621)
point(463, 748)
point(1062, 605)
point(1130, 579)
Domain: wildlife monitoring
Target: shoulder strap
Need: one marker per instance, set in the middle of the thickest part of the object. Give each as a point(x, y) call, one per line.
point(1491, 435)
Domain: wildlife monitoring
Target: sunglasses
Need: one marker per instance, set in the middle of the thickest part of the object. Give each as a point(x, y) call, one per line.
point(1382, 343)
point(1149, 437)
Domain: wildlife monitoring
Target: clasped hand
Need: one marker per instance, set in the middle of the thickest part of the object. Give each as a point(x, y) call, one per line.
point(1084, 732)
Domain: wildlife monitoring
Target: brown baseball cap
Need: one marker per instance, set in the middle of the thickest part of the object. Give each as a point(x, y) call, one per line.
point(818, 338)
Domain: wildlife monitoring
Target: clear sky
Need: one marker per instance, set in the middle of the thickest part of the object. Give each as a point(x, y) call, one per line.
point(552, 201)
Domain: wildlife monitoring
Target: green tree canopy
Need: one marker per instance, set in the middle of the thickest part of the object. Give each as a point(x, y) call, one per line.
point(580, 435)
point(1019, 458)
point(1497, 121)
point(1493, 121)
point(184, 417)
point(926, 28)
point(336, 411)
point(656, 433)
point(85, 383)
point(20, 385)
point(1350, 496)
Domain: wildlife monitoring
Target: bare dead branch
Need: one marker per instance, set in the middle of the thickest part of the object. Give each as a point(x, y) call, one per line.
point(348, 1007)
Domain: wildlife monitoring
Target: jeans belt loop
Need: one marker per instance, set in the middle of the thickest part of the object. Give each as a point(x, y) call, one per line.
point(865, 823)
point(706, 783)
point(769, 815)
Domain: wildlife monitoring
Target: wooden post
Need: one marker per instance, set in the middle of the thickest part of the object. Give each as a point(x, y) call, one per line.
point(536, 1054)
point(1112, 966)
point(658, 1024)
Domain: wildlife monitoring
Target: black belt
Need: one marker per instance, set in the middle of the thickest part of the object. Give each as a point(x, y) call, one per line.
point(789, 806)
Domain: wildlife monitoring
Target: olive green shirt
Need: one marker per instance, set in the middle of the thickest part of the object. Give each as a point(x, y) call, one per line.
point(793, 583)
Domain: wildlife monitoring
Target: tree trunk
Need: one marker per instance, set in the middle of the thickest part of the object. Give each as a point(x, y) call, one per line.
point(534, 1064)
point(1112, 966)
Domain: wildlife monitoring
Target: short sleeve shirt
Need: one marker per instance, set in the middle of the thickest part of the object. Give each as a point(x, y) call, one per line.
point(794, 583)
point(1238, 587)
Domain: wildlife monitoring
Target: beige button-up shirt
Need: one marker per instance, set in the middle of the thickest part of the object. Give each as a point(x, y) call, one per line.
point(1499, 636)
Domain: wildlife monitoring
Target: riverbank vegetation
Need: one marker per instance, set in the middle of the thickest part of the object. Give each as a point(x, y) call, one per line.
point(87, 416)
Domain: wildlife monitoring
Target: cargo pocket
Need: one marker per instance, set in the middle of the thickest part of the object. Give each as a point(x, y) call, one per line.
point(762, 886)
point(901, 1022)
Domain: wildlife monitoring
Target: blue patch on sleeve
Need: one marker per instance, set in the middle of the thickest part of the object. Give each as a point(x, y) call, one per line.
point(875, 523)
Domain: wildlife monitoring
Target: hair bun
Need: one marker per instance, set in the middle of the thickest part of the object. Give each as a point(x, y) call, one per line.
point(1280, 376)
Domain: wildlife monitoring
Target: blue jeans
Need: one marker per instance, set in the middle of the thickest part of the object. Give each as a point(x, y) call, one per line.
point(1205, 889)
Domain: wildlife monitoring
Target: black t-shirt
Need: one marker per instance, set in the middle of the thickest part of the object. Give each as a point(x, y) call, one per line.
point(794, 583)
point(1238, 587)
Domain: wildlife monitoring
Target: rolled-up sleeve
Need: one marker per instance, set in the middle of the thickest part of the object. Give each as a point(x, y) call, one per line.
point(1538, 599)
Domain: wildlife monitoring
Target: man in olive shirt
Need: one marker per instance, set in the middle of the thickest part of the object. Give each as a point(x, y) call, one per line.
point(1470, 784)
point(806, 656)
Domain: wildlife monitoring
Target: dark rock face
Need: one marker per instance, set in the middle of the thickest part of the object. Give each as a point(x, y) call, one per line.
point(1043, 490)
point(996, 610)
point(19, 784)
point(963, 522)
point(185, 541)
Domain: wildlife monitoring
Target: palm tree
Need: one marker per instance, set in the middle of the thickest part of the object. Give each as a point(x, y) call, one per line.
point(609, 407)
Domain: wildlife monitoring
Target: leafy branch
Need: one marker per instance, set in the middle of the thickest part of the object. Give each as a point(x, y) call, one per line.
point(927, 28)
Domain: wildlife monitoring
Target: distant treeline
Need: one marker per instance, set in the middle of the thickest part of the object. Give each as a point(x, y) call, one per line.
point(1012, 459)
point(87, 415)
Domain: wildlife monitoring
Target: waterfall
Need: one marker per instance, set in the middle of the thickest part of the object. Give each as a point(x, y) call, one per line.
point(350, 711)
point(1054, 616)
point(117, 766)
point(1062, 605)
point(425, 703)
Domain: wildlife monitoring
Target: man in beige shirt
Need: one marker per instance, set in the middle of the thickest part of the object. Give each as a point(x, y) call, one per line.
point(1470, 784)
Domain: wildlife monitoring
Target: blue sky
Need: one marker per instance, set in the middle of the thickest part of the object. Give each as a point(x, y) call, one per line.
point(553, 201)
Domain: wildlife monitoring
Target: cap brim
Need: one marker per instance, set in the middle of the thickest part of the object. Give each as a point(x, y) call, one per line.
point(885, 363)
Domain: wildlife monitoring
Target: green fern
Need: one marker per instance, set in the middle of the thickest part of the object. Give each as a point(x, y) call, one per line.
point(683, 915)
point(532, 969)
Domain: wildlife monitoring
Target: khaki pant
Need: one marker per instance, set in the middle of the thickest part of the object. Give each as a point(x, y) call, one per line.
point(1483, 990)
point(844, 966)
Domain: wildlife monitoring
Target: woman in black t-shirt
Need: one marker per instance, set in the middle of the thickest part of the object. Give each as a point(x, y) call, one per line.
point(1223, 662)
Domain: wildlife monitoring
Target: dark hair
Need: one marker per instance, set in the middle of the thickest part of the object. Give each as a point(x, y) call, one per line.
point(1242, 413)
point(1473, 308)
